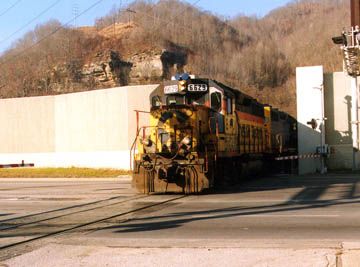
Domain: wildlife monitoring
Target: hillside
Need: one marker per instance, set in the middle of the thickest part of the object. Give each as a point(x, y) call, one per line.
point(256, 55)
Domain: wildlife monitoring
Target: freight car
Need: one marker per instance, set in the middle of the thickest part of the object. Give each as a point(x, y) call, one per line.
point(203, 133)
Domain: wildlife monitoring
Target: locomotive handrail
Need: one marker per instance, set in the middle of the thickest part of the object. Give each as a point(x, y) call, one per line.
point(138, 118)
point(216, 126)
point(133, 146)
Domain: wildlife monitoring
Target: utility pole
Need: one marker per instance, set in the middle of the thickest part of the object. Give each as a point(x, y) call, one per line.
point(129, 12)
point(75, 13)
point(119, 11)
point(355, 12)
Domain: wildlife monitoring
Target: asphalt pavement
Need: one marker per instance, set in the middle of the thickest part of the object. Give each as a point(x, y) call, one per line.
point(271, 221)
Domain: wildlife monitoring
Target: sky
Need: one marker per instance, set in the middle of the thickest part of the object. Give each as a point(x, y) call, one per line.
point(20, 16)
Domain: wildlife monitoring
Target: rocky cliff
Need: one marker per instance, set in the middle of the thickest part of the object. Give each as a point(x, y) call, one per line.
point(108, 68)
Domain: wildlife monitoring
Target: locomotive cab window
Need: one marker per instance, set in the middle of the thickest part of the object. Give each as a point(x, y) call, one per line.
point(229, 107)
point(156, 101)
point(196, 99)
point(215, 101)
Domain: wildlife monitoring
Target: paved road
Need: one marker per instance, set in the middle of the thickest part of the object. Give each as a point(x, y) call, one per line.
point(313, 220)
point(20, 197)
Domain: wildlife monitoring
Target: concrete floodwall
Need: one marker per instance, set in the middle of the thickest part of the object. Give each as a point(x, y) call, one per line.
point(27, 125)
point(338, 105)
point(309, 85)
point(87, 129)
point(339, 119)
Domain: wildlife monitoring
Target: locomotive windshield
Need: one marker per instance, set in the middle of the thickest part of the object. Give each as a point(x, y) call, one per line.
point(178, 100)
point(175, 100)
point(196, 99)
point(181, 92)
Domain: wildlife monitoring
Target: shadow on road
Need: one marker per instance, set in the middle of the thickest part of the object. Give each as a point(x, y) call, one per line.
point(311, 189)
point(304, 193)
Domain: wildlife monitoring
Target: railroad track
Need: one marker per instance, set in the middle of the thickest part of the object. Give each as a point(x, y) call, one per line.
point(58, 213)
point(40, 226)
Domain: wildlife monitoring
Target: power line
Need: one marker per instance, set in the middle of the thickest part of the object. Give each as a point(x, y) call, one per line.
point(9, 8)
point(74, 18)
point(31, 21)
point(52, 33)
point(180, 12)
point(167, 22)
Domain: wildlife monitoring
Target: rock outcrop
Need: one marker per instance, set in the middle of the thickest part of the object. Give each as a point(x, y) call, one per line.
point(110, 70)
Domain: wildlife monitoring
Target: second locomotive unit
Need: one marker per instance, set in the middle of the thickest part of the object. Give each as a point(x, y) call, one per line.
point(202, 133)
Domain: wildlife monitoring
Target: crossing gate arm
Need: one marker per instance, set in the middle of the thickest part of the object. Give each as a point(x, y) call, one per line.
point(305, 156)
point(22, 164)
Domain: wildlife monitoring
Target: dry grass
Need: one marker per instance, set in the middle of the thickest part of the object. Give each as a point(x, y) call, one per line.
point(117, 30)
point(60, 173)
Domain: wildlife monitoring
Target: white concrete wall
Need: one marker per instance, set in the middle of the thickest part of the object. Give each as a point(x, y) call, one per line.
point(27, 125)
point(92, 121)
point(338, 125)
point(309, 82)
point(87, 129)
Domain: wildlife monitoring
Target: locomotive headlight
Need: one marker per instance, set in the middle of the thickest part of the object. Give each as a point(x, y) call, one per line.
point(182, 85)
point(186, 141)
point(146, 142)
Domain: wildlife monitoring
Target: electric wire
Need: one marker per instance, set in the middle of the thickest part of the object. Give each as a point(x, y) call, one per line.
point(75, 17)
point(9, 8)
point(3, 62)
point(167, 22)
point(31, 21)
point(51, 33)
point(179, 13)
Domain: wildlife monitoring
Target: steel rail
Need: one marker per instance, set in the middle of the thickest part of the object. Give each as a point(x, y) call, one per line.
point(65, 214)
point(58, 210)
point(81, 225)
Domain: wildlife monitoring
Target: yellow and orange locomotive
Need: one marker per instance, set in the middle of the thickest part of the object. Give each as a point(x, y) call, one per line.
point(203, 133)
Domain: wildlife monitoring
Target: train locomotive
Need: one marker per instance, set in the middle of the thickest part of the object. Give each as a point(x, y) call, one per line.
point(203, 133)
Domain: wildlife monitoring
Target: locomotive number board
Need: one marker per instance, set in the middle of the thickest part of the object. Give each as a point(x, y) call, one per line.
point(171, 89)
point(197, 87)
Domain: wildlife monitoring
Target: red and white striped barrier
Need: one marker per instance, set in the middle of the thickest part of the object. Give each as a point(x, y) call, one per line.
point(22, 164)
point(306, 156)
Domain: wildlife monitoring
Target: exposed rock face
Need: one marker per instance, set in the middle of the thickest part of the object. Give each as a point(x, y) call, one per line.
point(173, 62)
point(113, 71)
point(108, 69)
point(145, 67)
point(156, 66)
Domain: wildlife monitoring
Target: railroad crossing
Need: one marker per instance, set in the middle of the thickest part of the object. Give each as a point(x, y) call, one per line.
point(312, 220)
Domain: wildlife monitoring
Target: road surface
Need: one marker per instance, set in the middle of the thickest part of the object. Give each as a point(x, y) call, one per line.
point(272, 221)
